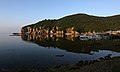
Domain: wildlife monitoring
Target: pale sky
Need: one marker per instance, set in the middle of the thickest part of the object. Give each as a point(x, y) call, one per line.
point(16, 13)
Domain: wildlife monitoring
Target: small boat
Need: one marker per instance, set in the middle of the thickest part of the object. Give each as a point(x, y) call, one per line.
point(90, 37)
point(16, 34)
point(85, 37)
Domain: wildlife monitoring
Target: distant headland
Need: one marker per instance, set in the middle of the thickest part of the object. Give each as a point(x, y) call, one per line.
point(74, 25)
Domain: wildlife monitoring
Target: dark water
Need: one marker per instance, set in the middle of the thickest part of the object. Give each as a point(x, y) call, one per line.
point(21, 52)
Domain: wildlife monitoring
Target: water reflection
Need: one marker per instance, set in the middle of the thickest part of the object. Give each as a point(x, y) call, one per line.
point(72, 43)
point(52, 50)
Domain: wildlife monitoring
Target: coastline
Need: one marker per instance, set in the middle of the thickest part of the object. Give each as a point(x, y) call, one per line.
point(106, 64)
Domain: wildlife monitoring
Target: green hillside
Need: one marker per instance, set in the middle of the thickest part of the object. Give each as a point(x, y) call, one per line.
point(82, 23)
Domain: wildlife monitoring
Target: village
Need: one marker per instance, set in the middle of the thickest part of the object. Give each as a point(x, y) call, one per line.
point(69, 33)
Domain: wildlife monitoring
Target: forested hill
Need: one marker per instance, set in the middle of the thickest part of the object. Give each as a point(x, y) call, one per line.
point(82, 23)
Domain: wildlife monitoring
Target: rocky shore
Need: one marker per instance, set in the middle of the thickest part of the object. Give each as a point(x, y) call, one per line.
point(106, 64)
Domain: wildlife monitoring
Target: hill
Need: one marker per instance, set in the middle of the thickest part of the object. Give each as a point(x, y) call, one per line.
point(81, 23)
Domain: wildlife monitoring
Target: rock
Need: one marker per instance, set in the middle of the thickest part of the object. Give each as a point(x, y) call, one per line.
point(59, 55)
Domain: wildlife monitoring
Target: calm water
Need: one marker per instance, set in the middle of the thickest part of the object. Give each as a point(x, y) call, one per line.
point(21, 52)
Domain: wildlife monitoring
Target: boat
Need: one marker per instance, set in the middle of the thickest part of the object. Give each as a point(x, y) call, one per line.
point(90, 37)
point(16, 34)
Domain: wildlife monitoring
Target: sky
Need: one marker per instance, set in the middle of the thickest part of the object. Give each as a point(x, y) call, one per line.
point(15, 14)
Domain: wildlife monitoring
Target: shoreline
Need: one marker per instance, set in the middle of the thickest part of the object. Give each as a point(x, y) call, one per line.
point(105, 64)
